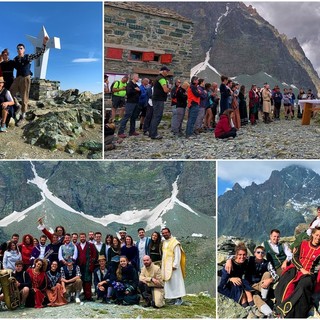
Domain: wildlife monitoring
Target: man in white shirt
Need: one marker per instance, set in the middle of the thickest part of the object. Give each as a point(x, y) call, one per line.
point(279, 254)
point(143, 245)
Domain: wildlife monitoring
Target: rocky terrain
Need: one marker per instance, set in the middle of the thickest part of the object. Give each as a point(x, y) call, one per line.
point(65, 126)
point(231, 31)
point(278, 140)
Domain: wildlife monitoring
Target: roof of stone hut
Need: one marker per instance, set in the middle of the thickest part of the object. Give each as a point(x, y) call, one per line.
point(141, 7)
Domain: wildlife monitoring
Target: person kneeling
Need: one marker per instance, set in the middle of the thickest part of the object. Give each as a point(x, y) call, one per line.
point(151, 284)
point(225, 128)
point(71, 281)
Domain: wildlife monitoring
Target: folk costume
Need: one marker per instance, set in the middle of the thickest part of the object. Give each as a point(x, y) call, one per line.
point(38, 285)
point(55, 290)
point(86, 261)
point(294, 291)
point(277, 254)
point(173, 257)
point(229, 289)
point(26, 250)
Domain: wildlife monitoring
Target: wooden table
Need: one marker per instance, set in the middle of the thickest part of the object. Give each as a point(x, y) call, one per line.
point(308, 106)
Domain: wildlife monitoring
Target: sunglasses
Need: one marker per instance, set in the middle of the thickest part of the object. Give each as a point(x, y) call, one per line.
point(260, 252)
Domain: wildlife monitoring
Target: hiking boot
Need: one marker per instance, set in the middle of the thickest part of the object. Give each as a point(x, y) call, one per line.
point(21, 122)
point(122, 135)
point(3, 128)
point(157, 137)
point(134, 134)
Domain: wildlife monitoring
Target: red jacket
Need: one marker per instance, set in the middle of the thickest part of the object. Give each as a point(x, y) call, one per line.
point(223, 126)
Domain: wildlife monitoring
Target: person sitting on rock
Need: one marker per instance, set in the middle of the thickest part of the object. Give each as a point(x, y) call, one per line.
point(261, 275)
point(279, 254)
point(7, 103)
point(233, 285)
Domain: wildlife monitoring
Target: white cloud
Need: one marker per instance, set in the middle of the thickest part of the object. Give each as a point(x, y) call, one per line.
point(246, 172)
point(85, 60)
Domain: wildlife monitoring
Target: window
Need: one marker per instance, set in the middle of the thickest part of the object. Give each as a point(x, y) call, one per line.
point(135, 55)
point(114, 53)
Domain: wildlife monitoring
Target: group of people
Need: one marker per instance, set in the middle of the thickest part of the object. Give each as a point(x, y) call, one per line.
point(10, 85)
point(120, 270)
point(202, 102)
point(278, 280)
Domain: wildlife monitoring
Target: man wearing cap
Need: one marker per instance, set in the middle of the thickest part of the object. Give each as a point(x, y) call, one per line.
point(160, 94)
point(6, 103)
point(101, 280)
point(122, 234)
point(22, 82)
point(118, 96)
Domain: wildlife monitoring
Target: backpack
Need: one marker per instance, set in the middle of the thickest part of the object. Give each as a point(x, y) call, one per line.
point(112, 85)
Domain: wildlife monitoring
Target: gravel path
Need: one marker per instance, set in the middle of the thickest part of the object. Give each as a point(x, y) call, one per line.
point(284, 139)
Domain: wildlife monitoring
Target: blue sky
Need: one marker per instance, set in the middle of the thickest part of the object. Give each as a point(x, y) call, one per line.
point(78, 25)
point(246, 172)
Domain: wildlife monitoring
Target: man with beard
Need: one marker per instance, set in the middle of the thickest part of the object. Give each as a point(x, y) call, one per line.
point(151, 284)
point(68, 252)
point(86, 261)
point(173, 268)
point(123, 234)
point(40, 250)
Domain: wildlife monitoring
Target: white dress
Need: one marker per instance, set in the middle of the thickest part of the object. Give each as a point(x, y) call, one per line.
point(174, 288)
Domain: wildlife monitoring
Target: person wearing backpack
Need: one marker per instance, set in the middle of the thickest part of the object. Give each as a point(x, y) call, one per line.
point(118, 91)
point(277, 99)
point(160, 94)
point(143, 101)
point(133, 94)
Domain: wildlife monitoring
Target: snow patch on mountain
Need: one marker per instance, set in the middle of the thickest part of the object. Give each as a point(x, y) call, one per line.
point(153, 217)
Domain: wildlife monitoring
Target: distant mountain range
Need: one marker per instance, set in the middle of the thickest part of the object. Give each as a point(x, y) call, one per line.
point(233, 39)
point(289, 197)
point(102, 196)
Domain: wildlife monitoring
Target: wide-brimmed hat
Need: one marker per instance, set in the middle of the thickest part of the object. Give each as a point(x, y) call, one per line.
point(101, 257)
point(2, 80)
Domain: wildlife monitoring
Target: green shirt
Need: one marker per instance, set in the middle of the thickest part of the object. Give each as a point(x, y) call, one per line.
point(118, 85)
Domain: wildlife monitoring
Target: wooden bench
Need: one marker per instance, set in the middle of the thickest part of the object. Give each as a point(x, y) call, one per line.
point(308, 106)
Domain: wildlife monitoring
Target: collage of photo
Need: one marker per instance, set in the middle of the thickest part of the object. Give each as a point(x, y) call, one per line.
point(159, 160)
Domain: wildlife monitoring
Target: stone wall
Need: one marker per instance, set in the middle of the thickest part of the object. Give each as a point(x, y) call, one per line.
point(43, 89)
point(143, 28)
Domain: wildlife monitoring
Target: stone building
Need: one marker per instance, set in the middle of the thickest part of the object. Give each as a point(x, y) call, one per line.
point(140, 38)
